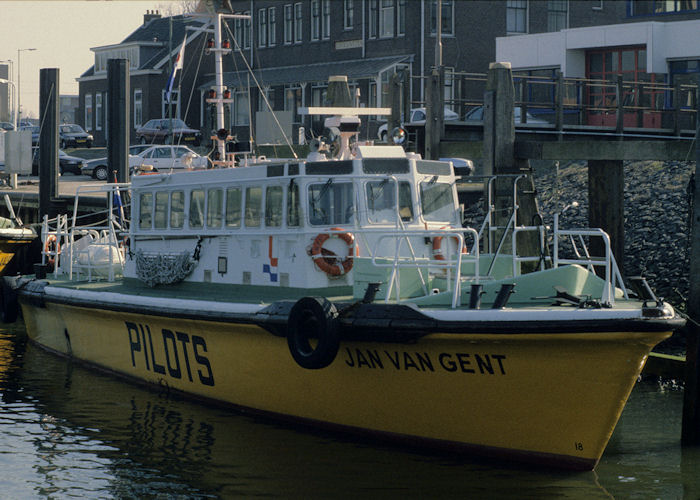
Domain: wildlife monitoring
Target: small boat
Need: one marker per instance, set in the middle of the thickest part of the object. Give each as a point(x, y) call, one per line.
point(342, 291)
point(14, 237)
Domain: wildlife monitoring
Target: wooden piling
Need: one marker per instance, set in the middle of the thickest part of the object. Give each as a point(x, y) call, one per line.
point(119, 122)
point(606, 194)
point(48, 141)
point(691, 403)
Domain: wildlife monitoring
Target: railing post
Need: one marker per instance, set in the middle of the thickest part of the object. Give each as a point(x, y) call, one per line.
point(620, 115)
point(559, 102)
point(677, 109)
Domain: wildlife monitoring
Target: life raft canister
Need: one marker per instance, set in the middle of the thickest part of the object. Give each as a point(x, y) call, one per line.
point(437, 246)
point(313, 318)
point(326, 260)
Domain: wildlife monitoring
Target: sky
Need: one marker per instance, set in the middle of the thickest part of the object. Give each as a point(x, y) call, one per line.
point(62, 32)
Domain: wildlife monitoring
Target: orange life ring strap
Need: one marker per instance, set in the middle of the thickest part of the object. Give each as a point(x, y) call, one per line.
point(437, 247)
point(328, 264)
point(52, 248)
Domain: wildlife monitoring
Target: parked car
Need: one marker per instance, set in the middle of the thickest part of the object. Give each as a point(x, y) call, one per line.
point(6, 126)
point(165, 158)
point(477, 115)
point(160, 132)
point(72, 135)
point(35, 133)
point(416, 117)
point(66, 163)
point(98, 169)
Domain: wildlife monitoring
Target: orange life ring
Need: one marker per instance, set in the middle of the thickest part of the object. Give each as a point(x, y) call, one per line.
point(437, 247)
point(328, 263)
point(52, 248)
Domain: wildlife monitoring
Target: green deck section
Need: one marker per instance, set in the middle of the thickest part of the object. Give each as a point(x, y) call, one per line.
point(431, 286)
point(423, 286)
point(214, 292)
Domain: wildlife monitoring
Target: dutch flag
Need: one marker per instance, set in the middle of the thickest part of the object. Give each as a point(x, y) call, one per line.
point(178, 65)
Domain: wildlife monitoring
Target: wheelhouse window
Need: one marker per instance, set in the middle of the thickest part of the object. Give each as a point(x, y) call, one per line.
point(160, 218)
point(330, 203)
point(253, 206)
point(381, 201)
point(293, 208)
point(215, 206)
point(516, 16)
point(233, 207)
point(177, 209)
point(437, 201)
point(145, 210)
point(196, 208)
point(274, 196)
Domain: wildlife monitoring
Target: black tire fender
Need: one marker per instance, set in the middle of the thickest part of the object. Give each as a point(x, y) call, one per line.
point(313, 318)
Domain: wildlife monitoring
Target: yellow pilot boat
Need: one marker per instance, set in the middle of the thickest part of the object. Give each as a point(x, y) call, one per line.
point(342, 291)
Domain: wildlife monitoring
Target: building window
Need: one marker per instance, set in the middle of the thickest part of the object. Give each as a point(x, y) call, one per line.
point(326, 19)
point(348, 15)
point(242, 31)
point(138, 108)
point(293, 100)
point(288, 24)
point(241, 109)
point(315, 19)
point(88, 112)
point(298, 23)
point(373, 15)
point(262, 28)
point(98, 111)
point(557, 15)
point(265, 96)
point(447, 27)
point(660, 7)
point(401, 22)
point(386, 19)
point(271, 27)
point(170, 108)
point(516, 16)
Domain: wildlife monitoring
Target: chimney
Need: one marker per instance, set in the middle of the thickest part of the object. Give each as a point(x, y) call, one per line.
point(150, 15)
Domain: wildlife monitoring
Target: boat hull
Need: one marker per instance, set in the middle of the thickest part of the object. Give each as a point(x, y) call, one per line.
point(548, 398)
point(9, 247)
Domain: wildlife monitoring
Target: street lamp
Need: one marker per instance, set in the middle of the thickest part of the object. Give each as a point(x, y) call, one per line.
point(19, 95)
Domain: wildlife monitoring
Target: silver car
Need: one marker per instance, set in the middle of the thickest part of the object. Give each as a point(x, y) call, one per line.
point(165, 158)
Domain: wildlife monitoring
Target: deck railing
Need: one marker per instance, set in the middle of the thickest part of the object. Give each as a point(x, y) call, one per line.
point(610, 106)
